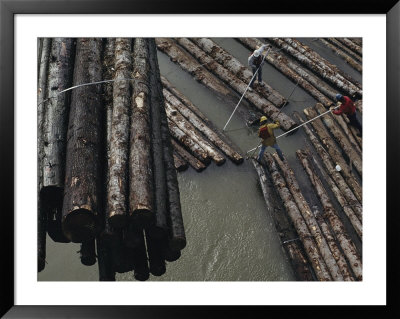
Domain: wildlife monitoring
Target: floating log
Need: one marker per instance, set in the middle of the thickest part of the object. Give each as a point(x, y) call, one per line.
point(202, 127)
point(141, 190)
point(194, 68)
point(156, 256)
point(312, 251)
point(301, 266)
point(273, 59)
point(336, 224)
point(347, 209)
point(193, 162)
point(82, 181)
point(117, 182)
point(140, 262)
point(177, 237)
point(321, 69)
point(41, 237)
point(132, 235)
point(188, 142)
point(88, 253)
point(351, 45)
point(331, 43)
point(311, 222)
point(333, 151)
point(348, 148)
point(238, 69)
point(357, 41)
point(262, 104)
point(106, 271)
point(180, 164)
point(330, 168)
point(171, 255)
point(348, 53)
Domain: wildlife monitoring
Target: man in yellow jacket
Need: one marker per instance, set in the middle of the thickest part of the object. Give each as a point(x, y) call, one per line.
point(266, 132)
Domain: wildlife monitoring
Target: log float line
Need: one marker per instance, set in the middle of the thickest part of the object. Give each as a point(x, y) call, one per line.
point(295, 128)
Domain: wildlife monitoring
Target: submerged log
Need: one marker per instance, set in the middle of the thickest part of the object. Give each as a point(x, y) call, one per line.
point(262, 104)
point(180, 163)
point(274, 59)
point(336, 224)
point(238, 69)
point(193, 162)
point(301, 267)
point(311, 222)
point(194, 68)
point(88, 253)
point(177, 237)
point(333, 151)
point(201, 126)
point(141, 191)
point(82, 181)
point(117, 183)
point(312, 251)
point(332, 44)
point(330, 168)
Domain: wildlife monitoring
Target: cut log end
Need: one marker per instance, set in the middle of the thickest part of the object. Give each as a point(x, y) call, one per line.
point(118, 220)
point(141, 276)
point(172, 255)
point(52, 196)
point(177, 243)
point(142, 217)
point(79, 225)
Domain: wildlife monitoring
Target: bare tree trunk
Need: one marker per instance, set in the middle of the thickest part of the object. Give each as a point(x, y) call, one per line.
point(312, 251)
point(202, 127)
point(239, 86)
point(194, 162)
point(238, 69)
point(82, 181)
point(141, 191)
point(180, 164)
point(347, 245)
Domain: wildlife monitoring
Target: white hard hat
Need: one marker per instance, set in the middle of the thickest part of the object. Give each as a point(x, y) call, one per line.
point(256, 53)
point(338, 168)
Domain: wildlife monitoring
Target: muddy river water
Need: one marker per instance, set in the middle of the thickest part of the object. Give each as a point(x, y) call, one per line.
point(230, 235)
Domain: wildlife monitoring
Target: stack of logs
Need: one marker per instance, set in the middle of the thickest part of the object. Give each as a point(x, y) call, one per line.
point(107, 176)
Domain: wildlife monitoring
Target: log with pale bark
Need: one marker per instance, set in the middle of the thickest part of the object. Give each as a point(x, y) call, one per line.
point(238, 69)
point(202, 127)
point(331, 44)
point(262, 104)
point(321, 69)
point(180, 164)
point(301, 266)
point(81, 206)
point(141, 188)
point(333, 151)
point(351, 45)
point(183, 124)
point(348, 247)
point(347, 52)
point(193, 161)
point(335, 271)
point(194, 68)
point(117, 183)
point(306, 238)
point(330, 169)
point(274, 59)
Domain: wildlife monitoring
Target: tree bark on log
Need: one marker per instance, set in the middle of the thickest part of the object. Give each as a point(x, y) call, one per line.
point(330, 168)
point(311, 222)
point(183, 124)
point(238, 69)
point(180, 164)
point(321, 69)
point(351, 45)
point(141, 191)
point(344, 240)
point(348, 148)
point(82, 182)
point(193, 162)
point(300, 265)
point(273, 59)
point(314, 56)
point(177, 237)
point(202, 127)
point(200, 74)
point(199, 114)
point(312, 251)
point(262, 104)
point(332, 149)
point(351, 55)
point(88, 253)
point(347, 209)
point(332, 44)
point(117, 184)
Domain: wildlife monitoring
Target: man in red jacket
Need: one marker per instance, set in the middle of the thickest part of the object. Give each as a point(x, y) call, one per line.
point(347, 107)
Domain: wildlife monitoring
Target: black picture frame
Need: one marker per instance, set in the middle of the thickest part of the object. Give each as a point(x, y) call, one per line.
point(8, 10)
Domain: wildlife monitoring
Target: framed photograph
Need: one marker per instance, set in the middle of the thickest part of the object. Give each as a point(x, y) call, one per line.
point(58, 294)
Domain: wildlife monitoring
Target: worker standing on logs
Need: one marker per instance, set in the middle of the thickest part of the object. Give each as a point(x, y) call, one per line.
point(347, 107)
point(266, 132)
point(255, 61)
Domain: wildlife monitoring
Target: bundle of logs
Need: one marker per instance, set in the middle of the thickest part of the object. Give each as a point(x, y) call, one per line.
point(106, 163)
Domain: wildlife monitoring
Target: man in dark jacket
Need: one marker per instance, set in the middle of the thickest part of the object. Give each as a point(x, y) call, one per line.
point(347, 107)
point(256, 60)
